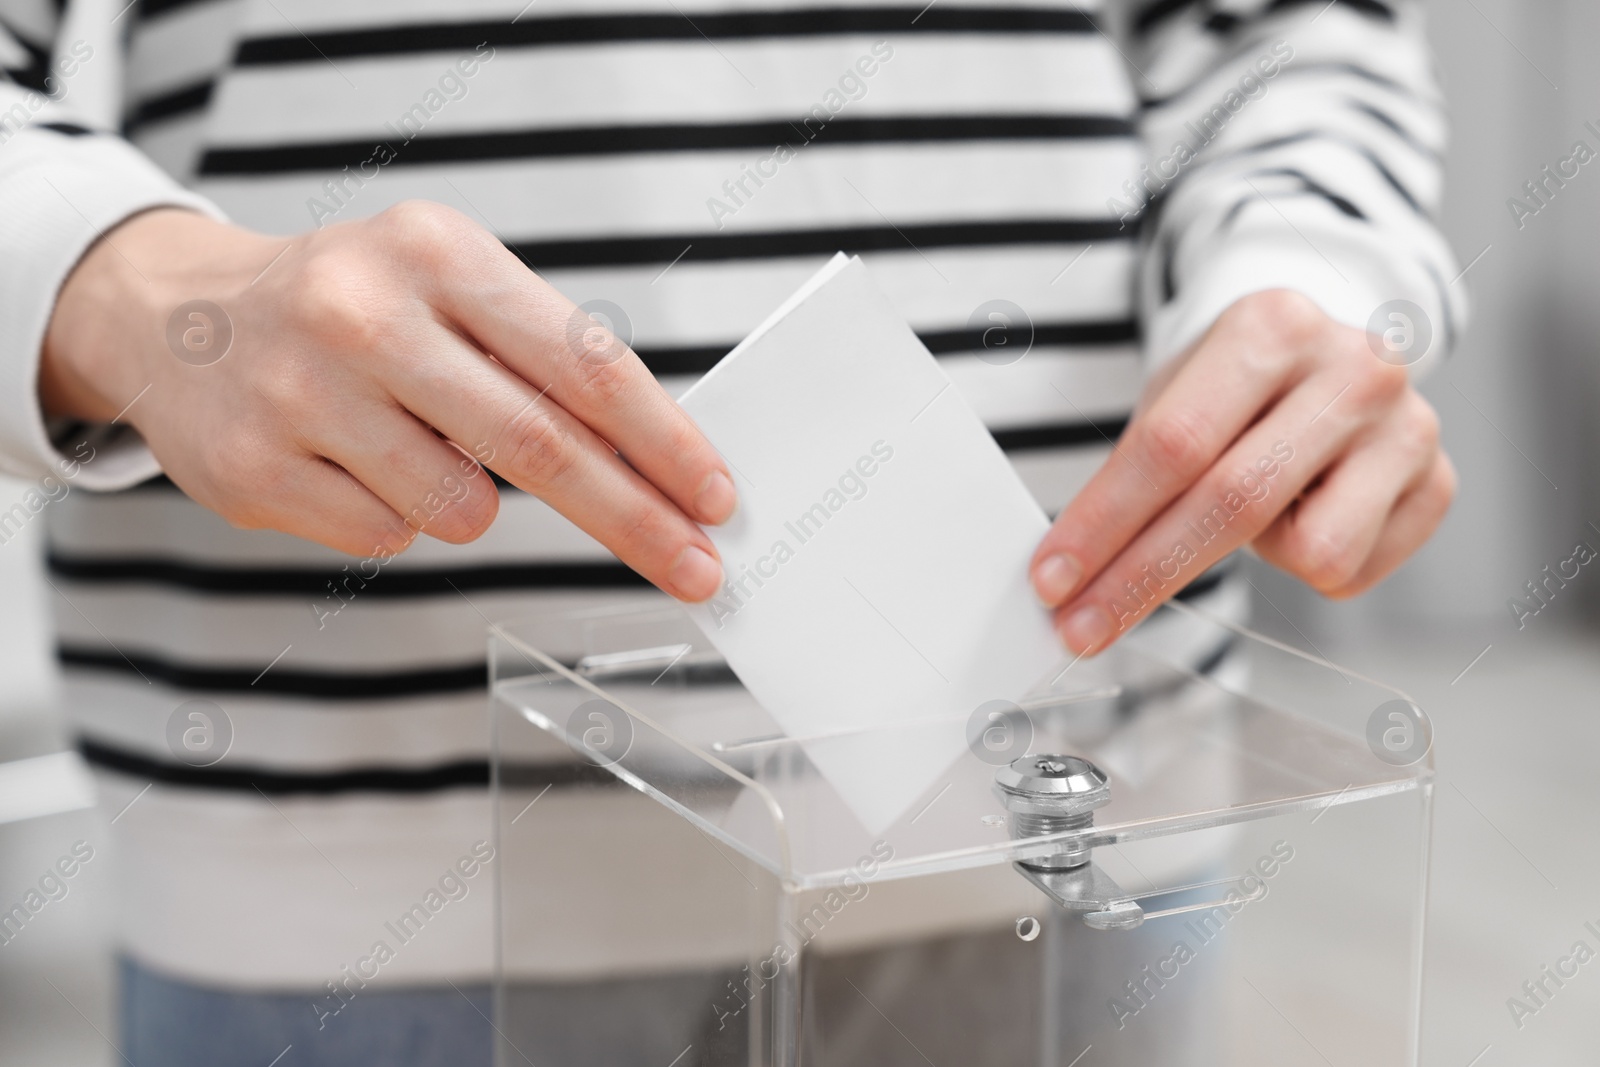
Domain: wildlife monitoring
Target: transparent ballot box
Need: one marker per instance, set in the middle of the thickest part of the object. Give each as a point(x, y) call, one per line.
point(1200, 848)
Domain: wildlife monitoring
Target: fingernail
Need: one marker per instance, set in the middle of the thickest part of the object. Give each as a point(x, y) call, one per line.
point(695, 575)
point(716, 499)
point(1056, 578)
point(1085, 629)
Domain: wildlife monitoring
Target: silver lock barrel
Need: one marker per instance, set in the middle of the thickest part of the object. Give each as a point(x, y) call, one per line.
point(1052, 794)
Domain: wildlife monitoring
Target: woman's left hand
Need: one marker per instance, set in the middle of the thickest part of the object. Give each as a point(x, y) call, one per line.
point(1280, 429)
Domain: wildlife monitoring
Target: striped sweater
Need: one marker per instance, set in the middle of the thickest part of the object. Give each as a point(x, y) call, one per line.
point(1056, 197)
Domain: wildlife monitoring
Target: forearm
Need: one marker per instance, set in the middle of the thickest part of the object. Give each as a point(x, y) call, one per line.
point(1298, 148)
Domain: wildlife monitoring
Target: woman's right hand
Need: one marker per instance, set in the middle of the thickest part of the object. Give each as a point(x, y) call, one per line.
point(372, 365)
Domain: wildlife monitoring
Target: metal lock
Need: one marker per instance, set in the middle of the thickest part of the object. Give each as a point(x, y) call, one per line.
point(1054, 794)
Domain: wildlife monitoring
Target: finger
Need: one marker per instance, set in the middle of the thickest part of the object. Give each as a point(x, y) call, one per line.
point(548, 341)
point(1219, 391)
point(1415, 517)
point(1327, 536)
point(310, 497)
point(1230, 505)
point(359, 426)
point(432, 484)
point(542, 449)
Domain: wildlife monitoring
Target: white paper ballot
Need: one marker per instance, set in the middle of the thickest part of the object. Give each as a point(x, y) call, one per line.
point(876, 570)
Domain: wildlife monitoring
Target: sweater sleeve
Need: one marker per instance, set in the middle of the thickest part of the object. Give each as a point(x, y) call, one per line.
point(64, 182)
point(1291, 144)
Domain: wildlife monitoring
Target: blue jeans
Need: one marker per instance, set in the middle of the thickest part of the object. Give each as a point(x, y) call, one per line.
point(170, 1023)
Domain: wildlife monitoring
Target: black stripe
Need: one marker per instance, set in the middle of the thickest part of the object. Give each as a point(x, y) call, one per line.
point(68, 129)
point(697, 359)
point(1045, 334)
point(1389, 122)
point(153, 8)
point(1235, 209)
point(1360, 149)
point(1353, 70)
point(1314, 187)
point(627, 28)
point(162, 483)
point(1249, 200)
point(30, 78)
point(1168, 251)
point(1211, 662)
point(1375, 8)
point(1158, 202)
point(1060, 435)
point(159, 482)
point(320, 684)
point(1443, 291)
point(1227, 22)
point(705, 248)
point(250, 779)
point(1152, 15)
point(407, 148)
point(1210, 580)
point(36, 74)
point(168, 105)
point(389, 583)
point(666, 360)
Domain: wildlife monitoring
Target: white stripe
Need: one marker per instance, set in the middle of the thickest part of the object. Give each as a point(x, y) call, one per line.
point(1026, 392)
point(369, 634)
point(638, 83)
point(292, 734)
point(184, 46)
point(165, 523)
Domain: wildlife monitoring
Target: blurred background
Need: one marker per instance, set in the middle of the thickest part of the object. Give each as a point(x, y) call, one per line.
point(1515, 872)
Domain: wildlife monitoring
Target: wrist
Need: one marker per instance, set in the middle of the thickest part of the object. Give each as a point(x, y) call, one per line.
point(106, 341)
